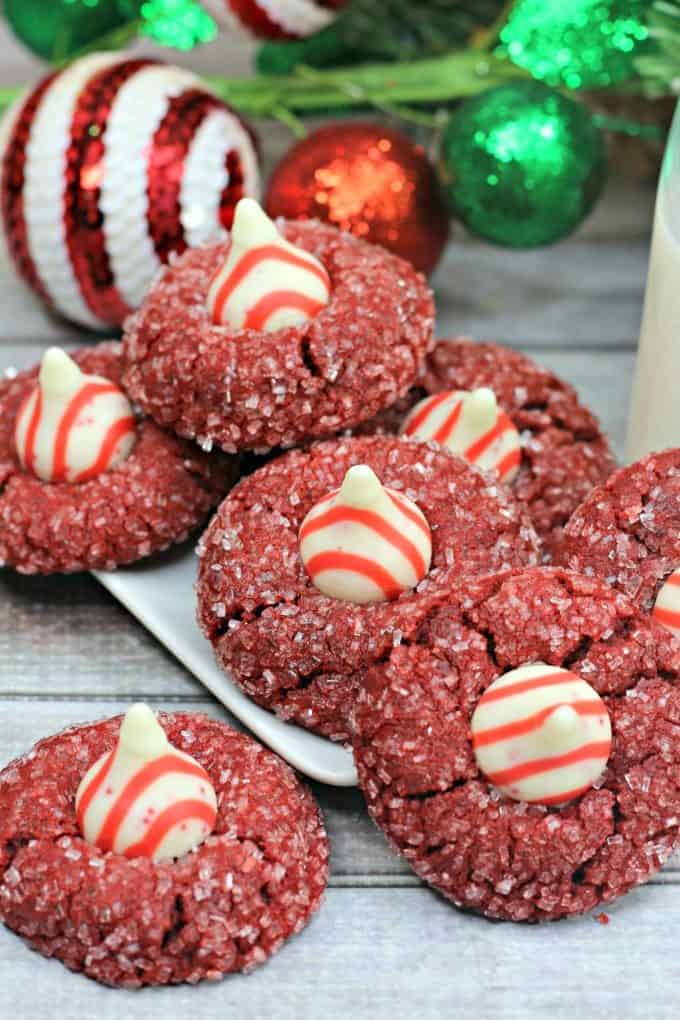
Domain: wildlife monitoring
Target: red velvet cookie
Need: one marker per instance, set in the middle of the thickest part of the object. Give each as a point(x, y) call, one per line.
point(504, 857)
point(224, 907)
point(628, 530)
point(250, 389)
point(298, 651)
point(564, 453)
point(154, 498)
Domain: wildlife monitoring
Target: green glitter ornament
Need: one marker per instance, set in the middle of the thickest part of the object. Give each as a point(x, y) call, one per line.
point(59, 29)
point(181, 24)
point(522, 164)
point(582, 44)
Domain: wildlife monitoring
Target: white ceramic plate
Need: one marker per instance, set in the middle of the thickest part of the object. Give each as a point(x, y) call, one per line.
point(160, 594)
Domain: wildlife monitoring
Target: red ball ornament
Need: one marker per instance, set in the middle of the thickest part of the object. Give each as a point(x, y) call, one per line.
point(276, 19)
point(370, 180)
point(106, 168)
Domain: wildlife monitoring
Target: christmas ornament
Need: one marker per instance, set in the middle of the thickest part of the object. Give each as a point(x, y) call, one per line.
point(541, 734)
point(522, 164)
point(367, 179)
point(364, 542)
point(472, 425)
point(181, 24)
point(108, 167)
point(276, 19)
point(582, 44)
point(266, 283)
point(73, 426)
point(59, 29)
point(145, 798)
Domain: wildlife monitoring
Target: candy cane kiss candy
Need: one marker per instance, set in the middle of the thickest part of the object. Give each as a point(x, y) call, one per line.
point(145, 798)
point(266, 283)
point(667, 606)
point(472, 425)
point(541, 734)
point(364, 542)
point(73, 427)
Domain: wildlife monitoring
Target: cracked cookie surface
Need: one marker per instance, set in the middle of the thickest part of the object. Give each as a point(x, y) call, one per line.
point(298, 651)
point(130, 922)
point(417, 768)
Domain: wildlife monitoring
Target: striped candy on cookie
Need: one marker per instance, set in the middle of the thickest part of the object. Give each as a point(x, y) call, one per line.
point(265, 283)
point(541, 734)
point(73, 427)
point(471, 425)
point(364, 542)
point(145, 798)
point(667, 606)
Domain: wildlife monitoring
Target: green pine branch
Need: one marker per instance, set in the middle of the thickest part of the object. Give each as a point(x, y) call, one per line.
point(659, 67)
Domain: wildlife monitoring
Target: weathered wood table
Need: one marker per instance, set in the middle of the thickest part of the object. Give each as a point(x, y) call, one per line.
point(383, 945)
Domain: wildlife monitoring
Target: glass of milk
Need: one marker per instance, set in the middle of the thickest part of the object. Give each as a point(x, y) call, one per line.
point(655, 409)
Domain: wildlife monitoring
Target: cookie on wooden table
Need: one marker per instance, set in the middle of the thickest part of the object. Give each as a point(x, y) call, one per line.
point(154, 852)
point(293, 624)
point(563, 452)
point(522, 749)
point(287, 332)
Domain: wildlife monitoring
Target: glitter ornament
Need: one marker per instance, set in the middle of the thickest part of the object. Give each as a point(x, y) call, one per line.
point(276, 19)
point(582, 44)
point(109, 166)
point(59, 29)
point(370, 180)
point(181, 24)
point(522, 164)
point(145, 798)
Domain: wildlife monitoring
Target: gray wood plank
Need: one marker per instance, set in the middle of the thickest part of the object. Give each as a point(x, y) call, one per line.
point(379, 953)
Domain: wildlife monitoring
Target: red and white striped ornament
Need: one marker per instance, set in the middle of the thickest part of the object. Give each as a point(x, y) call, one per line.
point(107, 167)
point(667, 606)
point(266, 283)
point(365, 542)
point(472, 425)
point(275, 19)
point(145, 798)
point(72, 427)
point(541, 734)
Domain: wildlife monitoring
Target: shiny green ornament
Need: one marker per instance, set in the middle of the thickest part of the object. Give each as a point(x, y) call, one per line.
point(582, 44)
point(58, 29)
point(522, 164)
point(181, 24)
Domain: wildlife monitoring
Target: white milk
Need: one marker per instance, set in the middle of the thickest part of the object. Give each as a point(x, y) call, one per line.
point(654, 423)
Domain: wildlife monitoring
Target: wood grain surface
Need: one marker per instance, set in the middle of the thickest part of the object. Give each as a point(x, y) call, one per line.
point(383, 945)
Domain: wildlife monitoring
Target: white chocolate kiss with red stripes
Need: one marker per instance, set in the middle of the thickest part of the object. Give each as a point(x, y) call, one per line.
point(365, 542)
point(73, 427)
point(471, 425)
point(541, 734)
point(667, 606)
point(266, 282)
point(145, 798)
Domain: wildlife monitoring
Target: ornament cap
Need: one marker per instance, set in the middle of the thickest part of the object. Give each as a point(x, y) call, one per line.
point(361, 487)
point(59, 374)
point(482, 407)
point(141, 734)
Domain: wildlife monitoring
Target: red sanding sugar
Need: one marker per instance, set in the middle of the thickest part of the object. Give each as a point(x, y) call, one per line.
point(628, 530)
point(504, 858)
point(248, 389)
point(225, 907)
point(156, 497)
point(298, 651)
point(564, 453)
